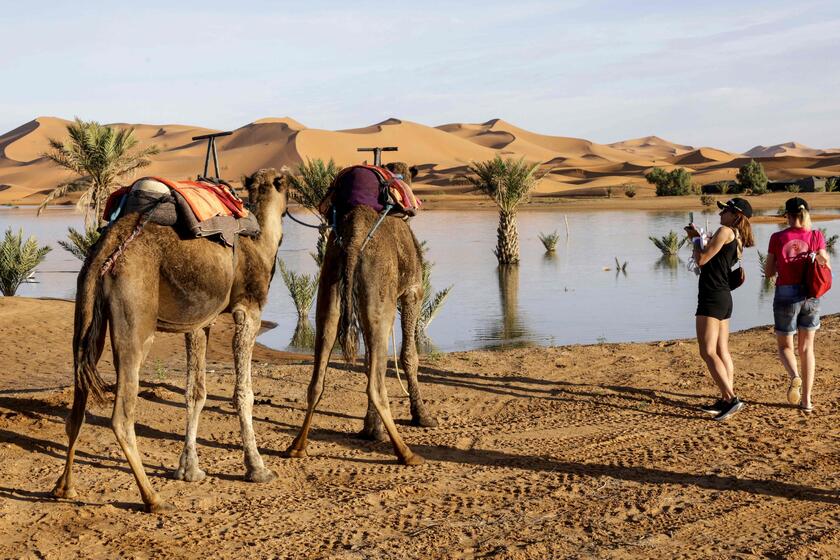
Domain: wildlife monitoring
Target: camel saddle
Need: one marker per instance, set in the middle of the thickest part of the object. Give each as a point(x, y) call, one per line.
point(372, 186)
point(195, 208)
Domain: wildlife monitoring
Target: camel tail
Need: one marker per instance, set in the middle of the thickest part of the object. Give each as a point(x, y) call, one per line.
point(91, 317)
point(347, 331)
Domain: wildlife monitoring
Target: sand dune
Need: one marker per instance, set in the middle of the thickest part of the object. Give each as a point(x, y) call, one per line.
point(442, 154)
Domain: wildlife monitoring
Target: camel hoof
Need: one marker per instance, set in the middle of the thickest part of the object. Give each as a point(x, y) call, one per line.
point(293, 453)
point(424, 421)
point(63, 492)
point(412, 460)
point(373, 435)
point(189, 475)
point(159, 507)
point(260, 475)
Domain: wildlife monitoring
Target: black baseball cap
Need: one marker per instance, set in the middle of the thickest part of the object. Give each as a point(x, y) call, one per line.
point(737, 204)
point(795, 205)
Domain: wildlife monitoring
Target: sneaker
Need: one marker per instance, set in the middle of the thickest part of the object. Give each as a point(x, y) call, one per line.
point(794, 392)
point(730, 408)
point(715, 407)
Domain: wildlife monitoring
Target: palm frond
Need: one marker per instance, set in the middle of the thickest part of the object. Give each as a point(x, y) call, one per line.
point(302, 288)
point(18, 258)
point(312, 180)
point(507, 182)
point(79, 243)
point(669, 244)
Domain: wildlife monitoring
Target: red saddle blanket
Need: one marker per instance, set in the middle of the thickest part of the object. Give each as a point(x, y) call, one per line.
point(207, 200)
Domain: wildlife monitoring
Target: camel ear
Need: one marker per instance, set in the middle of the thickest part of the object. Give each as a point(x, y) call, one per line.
point(248, 181)
point(413, 171)
point(279, 182)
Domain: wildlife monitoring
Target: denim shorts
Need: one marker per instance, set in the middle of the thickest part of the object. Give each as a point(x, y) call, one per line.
point(793, 310)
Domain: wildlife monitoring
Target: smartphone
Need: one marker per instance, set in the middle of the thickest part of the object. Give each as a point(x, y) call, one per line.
point(690, 218)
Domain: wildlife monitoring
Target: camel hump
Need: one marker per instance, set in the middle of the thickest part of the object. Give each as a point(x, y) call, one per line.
point(150, 186)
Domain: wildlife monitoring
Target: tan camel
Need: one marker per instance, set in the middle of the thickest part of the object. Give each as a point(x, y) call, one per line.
point(373, 281)
point(164, 283)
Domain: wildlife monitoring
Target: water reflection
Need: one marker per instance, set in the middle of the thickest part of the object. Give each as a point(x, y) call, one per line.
point(510, 329)
point(671, 264)
point(304, 336)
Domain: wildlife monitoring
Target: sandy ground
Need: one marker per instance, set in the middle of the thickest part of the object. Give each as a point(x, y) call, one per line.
point(569, 452)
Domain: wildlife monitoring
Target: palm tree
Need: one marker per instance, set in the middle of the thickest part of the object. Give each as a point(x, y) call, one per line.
point(17, 260)
point(79, 243)
point(432, 301)
point(508, 183)
point(309, 187)
point(100, 155)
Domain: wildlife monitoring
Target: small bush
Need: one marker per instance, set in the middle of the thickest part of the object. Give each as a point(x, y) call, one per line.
point(832, 184)
point(18, 258)
point(792, 188)
point(830, 242)
point(629, 191)
point(302, 288)
point(670, 183)
point(752, 177)
point(669, 244)
point(549, 241)
point(707, 200)
point(79, 243)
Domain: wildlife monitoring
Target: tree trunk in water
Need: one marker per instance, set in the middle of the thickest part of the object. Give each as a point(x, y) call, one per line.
point(507, 247)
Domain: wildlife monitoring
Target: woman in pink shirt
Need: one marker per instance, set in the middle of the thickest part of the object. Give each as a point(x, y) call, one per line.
point(793, 311)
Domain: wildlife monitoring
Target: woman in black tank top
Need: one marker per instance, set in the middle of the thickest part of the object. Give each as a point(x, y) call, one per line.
point(714, 299)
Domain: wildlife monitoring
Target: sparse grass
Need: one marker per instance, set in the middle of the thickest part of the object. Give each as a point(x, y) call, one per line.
point(302, 288)
point(629, 190)
point(707, 200)
point(608, 192)
point(669, 244)
point(18, 258)
point(549, 241)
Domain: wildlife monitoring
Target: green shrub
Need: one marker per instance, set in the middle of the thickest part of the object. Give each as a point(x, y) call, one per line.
point(629, 191)
point(792, 188)
point(302, 288)
point(676, 182)
point(707, 200)
point(669, 244)
point(18, 258)
point(832, 184)
point(751, 177)
point(549, 241)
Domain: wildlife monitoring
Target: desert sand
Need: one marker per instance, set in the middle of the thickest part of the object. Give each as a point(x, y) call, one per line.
point(579, 451)
point(574, 166)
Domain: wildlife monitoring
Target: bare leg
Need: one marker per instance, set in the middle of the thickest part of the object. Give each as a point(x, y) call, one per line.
point(327, 313)
point(247, 322)
point(708, 330)
point(808, 361)
point(378, 339)
point(786, 354)
point(723, 352)
point(128, 356)
point(196, 394)
point(65, 487)
point(420, 415)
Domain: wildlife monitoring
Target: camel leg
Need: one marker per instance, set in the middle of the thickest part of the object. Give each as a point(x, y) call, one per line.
point(196, 395)
point(327, 313)
point(247, 324)
point(379, 331)
point(411, 302)
point(373, 429)
point(130, 348)
point(64, 487)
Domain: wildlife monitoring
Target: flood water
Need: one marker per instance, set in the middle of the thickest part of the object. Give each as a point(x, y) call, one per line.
point(564, 299)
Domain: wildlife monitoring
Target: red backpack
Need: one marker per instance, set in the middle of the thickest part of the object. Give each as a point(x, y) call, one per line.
point(817, 278)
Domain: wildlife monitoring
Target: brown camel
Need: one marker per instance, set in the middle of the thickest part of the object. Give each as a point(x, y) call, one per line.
point(389, 270)
point(165, 283)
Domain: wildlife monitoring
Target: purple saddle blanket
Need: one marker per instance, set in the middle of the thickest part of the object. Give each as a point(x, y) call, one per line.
point(357, 186)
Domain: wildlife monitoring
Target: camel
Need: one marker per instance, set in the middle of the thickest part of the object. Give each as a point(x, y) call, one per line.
point(367, 285)
point(165, 283)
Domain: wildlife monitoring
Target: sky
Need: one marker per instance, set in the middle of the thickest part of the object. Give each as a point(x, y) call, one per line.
point(725, 74)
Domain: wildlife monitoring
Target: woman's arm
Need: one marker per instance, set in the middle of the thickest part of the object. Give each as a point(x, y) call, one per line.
point(770, 266)
point(823, 258)
point(721, 237)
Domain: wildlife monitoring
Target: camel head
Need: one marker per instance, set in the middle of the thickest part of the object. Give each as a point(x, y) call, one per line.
point(267, 191)
point(402, 168)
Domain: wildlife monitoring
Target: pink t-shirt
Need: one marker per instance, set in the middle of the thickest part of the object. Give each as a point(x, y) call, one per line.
point(790, 247)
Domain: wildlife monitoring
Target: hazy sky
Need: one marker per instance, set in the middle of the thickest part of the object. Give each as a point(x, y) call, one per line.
point(726, 74)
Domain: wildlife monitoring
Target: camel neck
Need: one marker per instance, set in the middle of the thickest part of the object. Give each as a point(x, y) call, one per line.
point(271, 230)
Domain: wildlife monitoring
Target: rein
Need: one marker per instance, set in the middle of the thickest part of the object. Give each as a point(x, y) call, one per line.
point(292, 216)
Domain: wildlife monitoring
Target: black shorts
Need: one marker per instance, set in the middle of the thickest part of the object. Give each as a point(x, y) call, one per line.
point(717, 305)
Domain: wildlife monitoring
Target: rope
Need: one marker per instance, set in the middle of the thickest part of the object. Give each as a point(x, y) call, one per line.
point(396, 363)
point(110, 262)
point(292, 216)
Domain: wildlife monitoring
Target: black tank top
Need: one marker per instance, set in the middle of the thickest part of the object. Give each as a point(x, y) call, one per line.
point(714, 275)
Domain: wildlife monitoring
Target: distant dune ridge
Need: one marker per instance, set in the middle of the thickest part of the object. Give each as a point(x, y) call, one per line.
point(442, 153)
